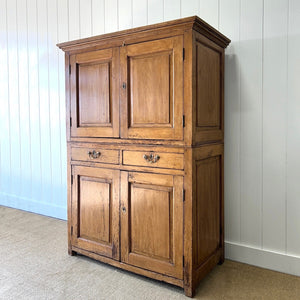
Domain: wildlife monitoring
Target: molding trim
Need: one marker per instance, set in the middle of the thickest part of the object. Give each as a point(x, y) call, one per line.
point(267, 259)
point(30, 205)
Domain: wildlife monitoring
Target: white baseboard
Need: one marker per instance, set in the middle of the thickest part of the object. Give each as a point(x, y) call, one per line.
point(31, 205)
point(242, 253)
point(284, 263)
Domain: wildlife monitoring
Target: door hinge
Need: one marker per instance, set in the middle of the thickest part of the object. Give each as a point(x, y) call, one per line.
point(183, 260)
point(71, 230)
point(69, 69)
point(71, 179)
point(70, 121)
point(183, 195)
point(183, 53)
point(183, 121)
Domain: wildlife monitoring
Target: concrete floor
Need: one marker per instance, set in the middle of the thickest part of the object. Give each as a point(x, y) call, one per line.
point(34, 265)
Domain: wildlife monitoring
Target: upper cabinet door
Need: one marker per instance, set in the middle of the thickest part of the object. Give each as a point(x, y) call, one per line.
point(94, 82)
point(152, 89)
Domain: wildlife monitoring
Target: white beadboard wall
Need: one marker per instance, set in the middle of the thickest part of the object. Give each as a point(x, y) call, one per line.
point(262, 110)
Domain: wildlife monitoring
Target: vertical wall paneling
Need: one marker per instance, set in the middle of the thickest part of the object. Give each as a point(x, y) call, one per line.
point(209, 11)
point(85, 9)
point(172, 9)
point(3, 80)
point(155, 11)
point(34, 103)
point(274, 124)
point(293, 130)
point(54, 105)
point(25, 138)
point(189, 8)
point(43, 56)
point(4, 111)
point(230, 26)
point(262, 124)
point(74, 20)
point(139, 13)
point(13, 86)
point(98, 17)
point(62, 21)
point(111, 16)
point(250, 57)
point(62, 35)
point(125, 14)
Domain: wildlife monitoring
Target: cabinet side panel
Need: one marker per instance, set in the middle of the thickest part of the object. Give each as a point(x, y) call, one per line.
point(208, 223)
point(208, 92)
point(207, 208)
point(208, 87)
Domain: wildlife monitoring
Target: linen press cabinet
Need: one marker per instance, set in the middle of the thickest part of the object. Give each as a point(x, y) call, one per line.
point(145, 149)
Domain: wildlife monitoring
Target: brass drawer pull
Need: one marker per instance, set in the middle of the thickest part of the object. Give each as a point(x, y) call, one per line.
point(93, 154)
point(151, 158)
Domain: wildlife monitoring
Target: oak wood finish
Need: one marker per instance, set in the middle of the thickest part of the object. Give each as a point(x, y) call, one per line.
point(145, 137)
point(130, 268)
point(151, 99)
point(95, 93)
point(153, 159)
point(151, 222)
point(95, 210)
point(208, 76)
point(95, 154)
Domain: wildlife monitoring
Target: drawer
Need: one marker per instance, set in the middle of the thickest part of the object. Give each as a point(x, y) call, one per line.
point(153, 159)
point(95, 155)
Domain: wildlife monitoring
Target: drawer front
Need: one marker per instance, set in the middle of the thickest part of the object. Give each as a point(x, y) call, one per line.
point(95, 155)
point(153, 159)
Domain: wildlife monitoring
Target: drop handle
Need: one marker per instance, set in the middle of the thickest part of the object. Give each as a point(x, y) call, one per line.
point(151, 158)
point(94, 154)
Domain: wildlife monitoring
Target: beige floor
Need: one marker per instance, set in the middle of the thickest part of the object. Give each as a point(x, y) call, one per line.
point(34, 265)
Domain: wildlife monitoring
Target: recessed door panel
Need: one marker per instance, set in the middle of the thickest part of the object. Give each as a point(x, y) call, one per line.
point(94, 99)
point(95, 93)
point(152, 222)
point(152, 89)
point(95, 210)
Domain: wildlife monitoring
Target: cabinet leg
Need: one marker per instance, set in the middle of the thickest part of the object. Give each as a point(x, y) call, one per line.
point(71, 252)
point(221, 261)
point(222, 258)
point(189, 291)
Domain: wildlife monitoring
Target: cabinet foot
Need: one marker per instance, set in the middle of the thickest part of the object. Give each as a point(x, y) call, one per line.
point(189, 291)
point(71, 252)
point(222, 259)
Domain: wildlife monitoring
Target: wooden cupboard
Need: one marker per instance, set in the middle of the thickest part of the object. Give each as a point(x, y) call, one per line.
point(145, 131)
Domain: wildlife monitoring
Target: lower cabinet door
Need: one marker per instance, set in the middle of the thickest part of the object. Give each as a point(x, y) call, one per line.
point(152, 222)
point(95, 210)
